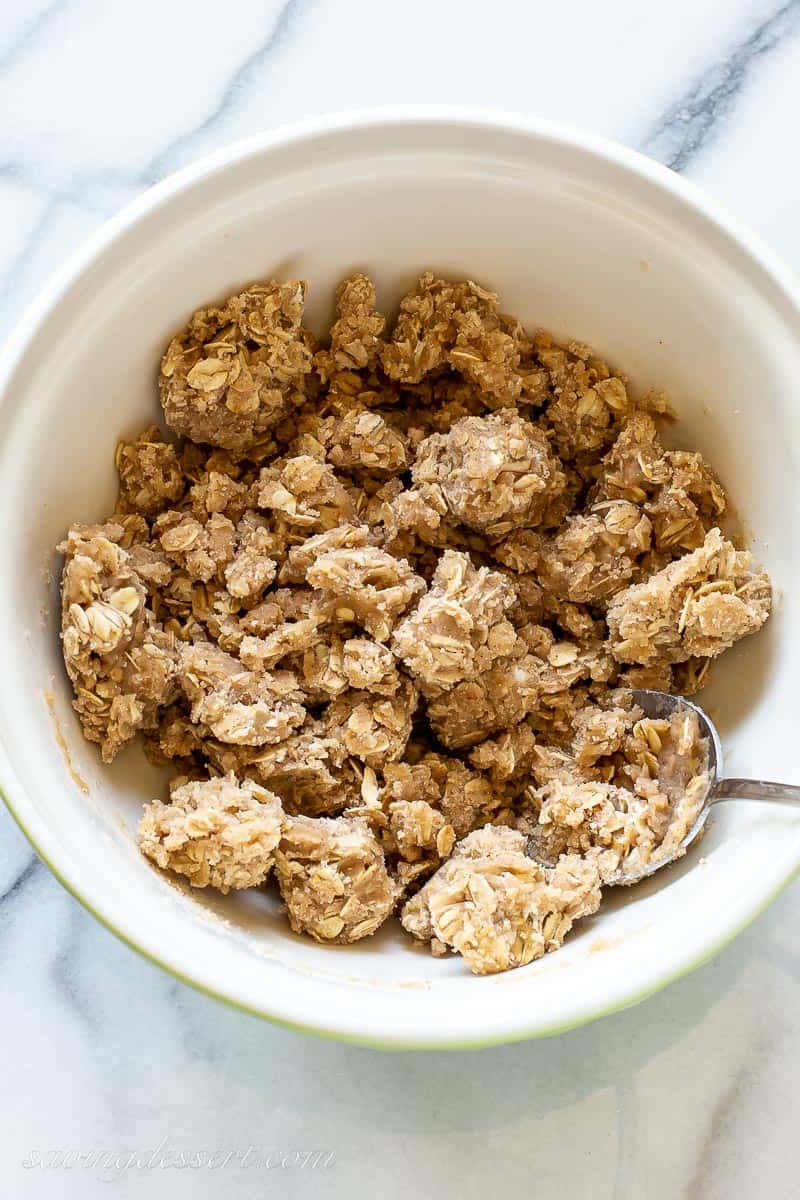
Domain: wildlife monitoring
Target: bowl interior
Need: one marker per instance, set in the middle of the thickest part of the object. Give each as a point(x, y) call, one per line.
point(578, 240)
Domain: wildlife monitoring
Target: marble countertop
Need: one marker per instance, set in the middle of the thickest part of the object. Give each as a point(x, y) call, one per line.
point(689, 1095)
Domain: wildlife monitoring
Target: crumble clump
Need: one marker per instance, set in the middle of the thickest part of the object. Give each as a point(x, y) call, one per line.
point(464, 797)
point(497, 907)
point(361, 440)
point(366, 586)
point(457, 324)
point(234, 705)
point(459, 627)
point(594, 555)
point(355, 336)
point(494, 473)
point(121, 662)
point(217, 832)
point(373, 729)
point(311, 771)
point(150, 475)
point(333, 878)
point(238, 369)
point(303, 495)
point(377, 602)
point(697, 606)
point(586, 404)
point(676, 489)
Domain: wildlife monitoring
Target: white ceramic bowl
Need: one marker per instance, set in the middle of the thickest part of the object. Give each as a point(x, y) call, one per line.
point(583, 237)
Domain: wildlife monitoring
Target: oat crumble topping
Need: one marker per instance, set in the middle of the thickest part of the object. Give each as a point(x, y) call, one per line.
point(217, 832)
point(378, 603)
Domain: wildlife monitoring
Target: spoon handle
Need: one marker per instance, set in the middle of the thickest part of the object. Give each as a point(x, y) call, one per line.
point(754, 789)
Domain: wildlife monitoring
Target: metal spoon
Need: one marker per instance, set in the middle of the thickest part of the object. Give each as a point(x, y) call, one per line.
point(661, 704)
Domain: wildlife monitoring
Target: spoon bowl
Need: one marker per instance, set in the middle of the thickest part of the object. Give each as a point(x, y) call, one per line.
point(664, 705)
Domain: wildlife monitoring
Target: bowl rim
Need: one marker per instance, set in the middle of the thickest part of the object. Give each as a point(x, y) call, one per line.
point(27, 328)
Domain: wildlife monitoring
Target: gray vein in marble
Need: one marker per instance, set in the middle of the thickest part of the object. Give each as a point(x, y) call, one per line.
point(85, 185)
point(165, 160)
point(30, 34)
point(8, 280)
point(194, 1039)
point(66, 973)
point(725, 1114)
point(25, 267)
point(690, 124)
point(18, 885)
point(84, 189)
